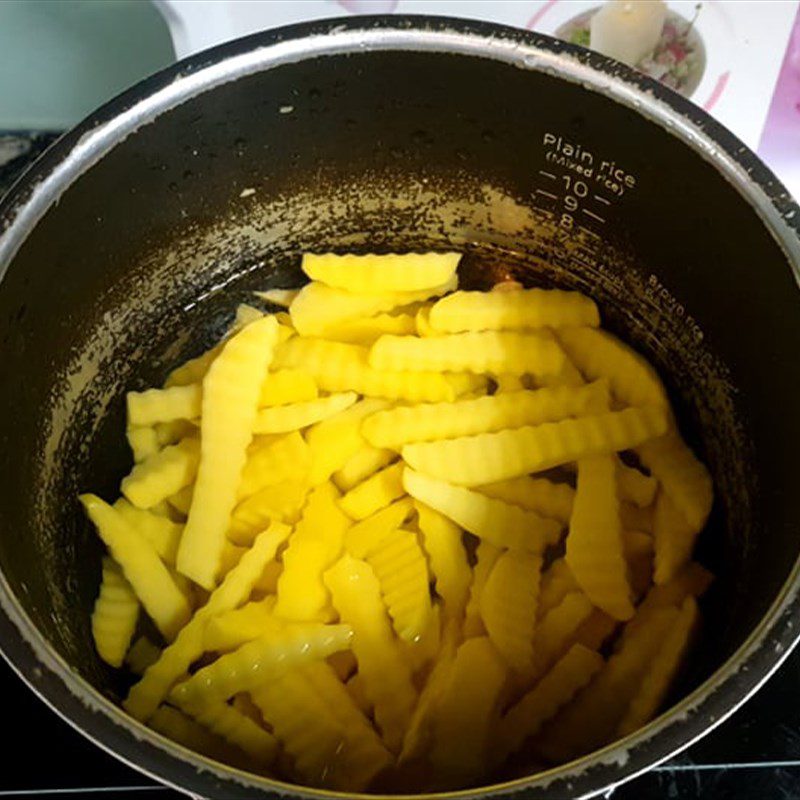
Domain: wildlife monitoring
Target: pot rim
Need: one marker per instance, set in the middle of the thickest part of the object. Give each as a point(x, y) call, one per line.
point(88, 711)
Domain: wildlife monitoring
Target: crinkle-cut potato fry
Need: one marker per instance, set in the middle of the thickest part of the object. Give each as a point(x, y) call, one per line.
point(230, 400)
point(145, 696)
point(558, 629)
point(596, 630)
point(508, 607)
point(422, 323)
point(557, 582)
point(164, 405)
point(524, 308)
point(406, 272)
point(635, 518)
point(161, 532)
point(278, 297)
point(292, 417)
point(395, 427)
point(571, 673)
point(172, 432)
point(683, 477)
point(267, 584)
point(600, 354)
point(478, 352)
point(486, 555)
point(367, 461)
point(343, 664)
point(286, 386)
point(181, 501)
point(367, 534)
point(595, 551)
point(143, 442)
point(545, 497)
point(316, 543)
point(366, 331)
point(162, 474)
point(422, 651)
point(341, 367)
point(461, 730)
point(442, 541)
point(334, 441)
point(636, 543)
point(402, 572)
point(285, 458)
point(634, 486)
point(318, 308)
point(375, 493)
point(116, 612)
point(673, 538)
point(193, 370)
point(179, 727)
point(661, 671)
point(502, 524)
point(245, 314)
point(386, 675)
point(506, 382)
point(355, 688)
point(229, 630)
point(141, 655)
point(490, 457)
point(144, 570)
point(282, 501)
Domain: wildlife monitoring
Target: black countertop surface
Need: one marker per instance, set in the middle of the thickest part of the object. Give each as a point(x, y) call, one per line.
point(754, 754)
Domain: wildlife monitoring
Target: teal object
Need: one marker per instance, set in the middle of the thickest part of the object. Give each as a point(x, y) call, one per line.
point(60, 59)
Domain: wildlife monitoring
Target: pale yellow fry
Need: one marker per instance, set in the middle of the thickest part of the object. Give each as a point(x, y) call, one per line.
point(486, 555)
point(318, 307)
point(500, 523)
point(182, 501)
point(172, 432)
point(245, 314)
point(442, 540)
point(367, 461)
point(508, 607)
point(161, 532)
point(673, 538)
point(341, 367)
point(162, 474)
point(144, 570)
point(684, 478)
point(600, 354)
point(406, 272)
point(524, 308)
point(425, 649)
point(231, 629)
point(558, 629)
point(343, 664)
point(282, 501)
point(115, 614)
point(193, 370)
point(294, 416)
point(143, 442)
point(375, 493)
point(142, 654)
point(422, 323)
point(370, 532)
point(267, 584)
point(286, 458)
point(635, 518)
point(278, 297)
point(661, 671)
point(366, 331)
point(557, 582)
point(567, 677)
point(595, 551)
point(428, 422)
point(164, 405)
point(180, 728)
point(487, 351)
point(506, 382)
point(287, 386)
point(634, 486)
point(145, 697)
point(489, 457)
point(545, 497)
point(230, 399)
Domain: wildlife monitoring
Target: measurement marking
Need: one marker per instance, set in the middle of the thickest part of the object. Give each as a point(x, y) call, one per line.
point(592, 215)
point(547, 194)
point(546, 212)
point(547, 174)
point(602, 200)
point(591, 233)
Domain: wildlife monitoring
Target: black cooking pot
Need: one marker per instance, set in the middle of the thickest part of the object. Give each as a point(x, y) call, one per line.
point(129, 243)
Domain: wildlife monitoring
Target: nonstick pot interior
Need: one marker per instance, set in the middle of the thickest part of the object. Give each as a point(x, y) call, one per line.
point(142, 261)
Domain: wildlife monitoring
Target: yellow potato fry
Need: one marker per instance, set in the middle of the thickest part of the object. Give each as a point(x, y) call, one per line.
point(143, 442)
point(230, 399)
point(278, 297)
point(442, 541)
point(146, 573)
point(334, 441)
point(343, 664)
point(355, 688)
point(145, 697)
point(599, 354)
point(282, 501)
point(508, 607)
point(402, 572)
point(294, 416)
point(661, 671)
point(409, 272)
point(386, 675)
point(486, 556)
point(341, 367)
point(267, 584)
point(164, 405)
point(366, 331)
point(176, 725)
point(245, 314)
point(162, 474)
point(181, 501)
point(490, 457)
point(162, 533)
point(364, 536)
point(116, 612)
point(636, 519)
point(172, 432)
point(231, 629)
point(461, 730)
point(558, 629)
point(557, 582)
point(422, 323)
point(506, 382)
point(142, 654)
point(637, 543)
point(398, 426)
point(286, 458)
point(683, 477)
point(634, 486)
point(525, 308)
point(367, 461)
point(567, 677)
point(541, 495)
point(487, 351)
point(595, 553)
point(316, 543)
point(500, 523)
point(421, 652)
point(318, 308)
point(193, 370)
point(375, 493)
point(596, 630)
point(287, 386)
point(673, 537)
